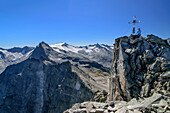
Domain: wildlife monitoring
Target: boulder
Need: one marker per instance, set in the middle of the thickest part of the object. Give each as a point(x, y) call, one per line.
point(130, 51)
point(100, 110)
point(165, 66)
point(155, 40)
point(148, 54)
point(156, 66)
point(122, 110)
point(100, 96)
point(146, 102)
point(165, 75)
point(162, 103)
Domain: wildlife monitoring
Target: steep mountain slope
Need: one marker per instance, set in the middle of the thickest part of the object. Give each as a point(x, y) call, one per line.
point(49, 82)
point(13, 56)
point(100, 53)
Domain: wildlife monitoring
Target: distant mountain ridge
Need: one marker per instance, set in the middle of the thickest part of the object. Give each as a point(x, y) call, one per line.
point(13, 56)
point(23, 50)
point(100, 53)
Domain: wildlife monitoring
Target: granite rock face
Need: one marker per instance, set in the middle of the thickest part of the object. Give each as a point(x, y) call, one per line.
point(49, 82)
point(138, 67)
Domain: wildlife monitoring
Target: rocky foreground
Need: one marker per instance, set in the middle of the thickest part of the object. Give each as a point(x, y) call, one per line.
point(153, 104)
point(140, 78)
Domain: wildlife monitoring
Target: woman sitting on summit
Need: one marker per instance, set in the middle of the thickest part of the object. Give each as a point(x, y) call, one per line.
point(139, 32)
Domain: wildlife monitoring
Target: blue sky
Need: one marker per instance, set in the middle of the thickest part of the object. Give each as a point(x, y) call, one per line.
point(79, 22)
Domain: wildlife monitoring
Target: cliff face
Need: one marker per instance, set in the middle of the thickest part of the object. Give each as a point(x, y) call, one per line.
point(41, 87)
point(47, 82)
point(139, 66)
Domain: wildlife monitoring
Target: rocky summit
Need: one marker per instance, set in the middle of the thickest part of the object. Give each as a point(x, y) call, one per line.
point(139, 81)
point(138, 67)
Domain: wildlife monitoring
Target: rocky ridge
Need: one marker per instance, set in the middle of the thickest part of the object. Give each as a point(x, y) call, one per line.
point(13, 56)
point(100, 53)
point(139, 81)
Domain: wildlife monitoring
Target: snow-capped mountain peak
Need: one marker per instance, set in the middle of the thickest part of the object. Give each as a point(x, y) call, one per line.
point(97, 52)
point(59, 44)
point(100, 53)
point(89, 48)
point(64, 46)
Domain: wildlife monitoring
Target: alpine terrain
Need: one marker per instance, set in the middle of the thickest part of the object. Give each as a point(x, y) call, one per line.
point(54, 78)
point(50, 79)
point(13, 56)
point(139, 81)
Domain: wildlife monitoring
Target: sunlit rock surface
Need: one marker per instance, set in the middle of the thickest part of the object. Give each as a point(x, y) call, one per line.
point(139, 81)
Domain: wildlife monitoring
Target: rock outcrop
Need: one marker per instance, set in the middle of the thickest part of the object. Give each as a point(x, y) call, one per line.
point(138, 67)
point(139, 81)
point(153, 104)
point(49, 82)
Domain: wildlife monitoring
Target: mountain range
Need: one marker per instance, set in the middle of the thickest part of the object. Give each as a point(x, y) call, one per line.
point(49, 79)
point(100, 53)
point(52, 78)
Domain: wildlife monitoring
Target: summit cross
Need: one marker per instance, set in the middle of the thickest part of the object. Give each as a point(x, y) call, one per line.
point(134, 21)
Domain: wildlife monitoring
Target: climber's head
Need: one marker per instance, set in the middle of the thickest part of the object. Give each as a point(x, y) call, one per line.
point(138, 29)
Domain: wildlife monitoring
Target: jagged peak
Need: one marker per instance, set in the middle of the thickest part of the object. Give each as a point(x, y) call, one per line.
point(41, 51)
point(43, 44)
point(65, 44)
point(98, 45)
point(60, 44)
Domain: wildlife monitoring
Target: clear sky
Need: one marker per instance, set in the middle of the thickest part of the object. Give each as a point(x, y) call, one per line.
point(79, 22)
